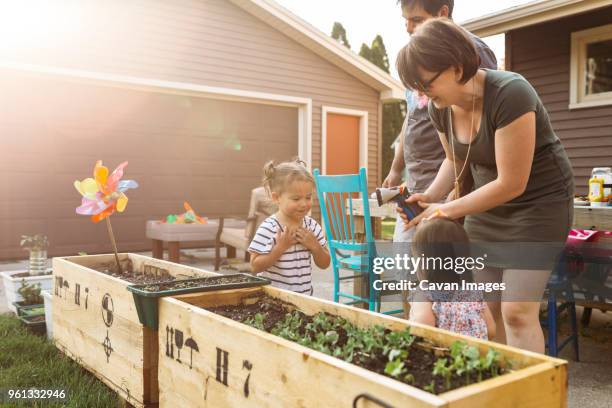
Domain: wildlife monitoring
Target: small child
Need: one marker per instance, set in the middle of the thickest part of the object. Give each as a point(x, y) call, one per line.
point(284, 242)
point(459, 311)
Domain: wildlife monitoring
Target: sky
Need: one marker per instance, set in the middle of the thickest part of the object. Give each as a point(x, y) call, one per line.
point(364, 19)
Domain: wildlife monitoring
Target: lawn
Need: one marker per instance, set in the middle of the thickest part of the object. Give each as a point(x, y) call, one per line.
point(388, 226)
point(28, 361)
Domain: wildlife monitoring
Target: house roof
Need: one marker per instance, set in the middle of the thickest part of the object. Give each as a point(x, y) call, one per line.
point(310, 37)
point(532, 13)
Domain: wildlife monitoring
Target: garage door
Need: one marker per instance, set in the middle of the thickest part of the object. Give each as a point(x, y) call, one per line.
point(206, 151)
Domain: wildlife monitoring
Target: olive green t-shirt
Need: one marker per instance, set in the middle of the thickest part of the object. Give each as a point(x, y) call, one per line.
point(548, 196)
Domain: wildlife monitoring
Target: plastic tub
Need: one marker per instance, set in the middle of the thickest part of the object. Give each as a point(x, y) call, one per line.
point(48, 297)
point(12, 285)
point(28, 310)
point(34, 324)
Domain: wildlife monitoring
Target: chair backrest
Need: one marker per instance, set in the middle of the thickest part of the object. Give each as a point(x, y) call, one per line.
point(338, 216)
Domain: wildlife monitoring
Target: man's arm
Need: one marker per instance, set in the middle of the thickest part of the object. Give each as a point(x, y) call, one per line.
point(398, 165)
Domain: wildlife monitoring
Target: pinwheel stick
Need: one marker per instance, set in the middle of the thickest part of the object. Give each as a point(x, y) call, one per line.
point(112, 238)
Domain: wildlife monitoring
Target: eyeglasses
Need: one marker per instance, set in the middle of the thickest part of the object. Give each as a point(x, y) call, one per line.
point(425, 85)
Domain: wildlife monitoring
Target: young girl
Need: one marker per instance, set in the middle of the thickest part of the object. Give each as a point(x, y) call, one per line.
point(460, 311)
point(284, 242)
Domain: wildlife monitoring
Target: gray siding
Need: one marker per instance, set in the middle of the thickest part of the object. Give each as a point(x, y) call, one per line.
point(545, 62)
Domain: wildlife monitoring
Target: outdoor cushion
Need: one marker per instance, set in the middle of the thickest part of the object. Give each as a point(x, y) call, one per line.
point(234, 237)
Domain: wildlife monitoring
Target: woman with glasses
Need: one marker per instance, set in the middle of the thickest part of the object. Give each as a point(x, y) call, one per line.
point(494, 123)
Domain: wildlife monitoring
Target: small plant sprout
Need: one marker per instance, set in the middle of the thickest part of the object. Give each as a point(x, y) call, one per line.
point(431, 387)
point(409, 378)
point(491, 362)
point(256, 321)
point(394, 368)
point(34, 242)
point(30, 293)
point(441, 369)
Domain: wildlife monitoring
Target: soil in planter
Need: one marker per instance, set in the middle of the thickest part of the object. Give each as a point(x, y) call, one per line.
point(28, 274)
point(398, 355)
point(202, 282)
point(129, 274)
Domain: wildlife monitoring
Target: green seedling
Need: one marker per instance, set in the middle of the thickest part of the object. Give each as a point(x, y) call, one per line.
point(256, 321)
point(30, 293)
point(441, 369)
point(491, 362)
point(394, 368)
point(431, 387)
point(322, 332)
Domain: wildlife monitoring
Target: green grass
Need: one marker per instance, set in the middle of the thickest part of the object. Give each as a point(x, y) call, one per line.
point(388, 226)
point(27, 361)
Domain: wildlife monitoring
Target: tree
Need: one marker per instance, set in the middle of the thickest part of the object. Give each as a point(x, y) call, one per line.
point(339, 33)
point(376, 54)
point(393, 113)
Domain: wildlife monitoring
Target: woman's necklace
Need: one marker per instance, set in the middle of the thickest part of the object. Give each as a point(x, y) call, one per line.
point(457, 188)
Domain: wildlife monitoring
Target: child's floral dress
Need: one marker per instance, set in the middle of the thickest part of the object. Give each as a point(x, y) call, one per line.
point(461, 312)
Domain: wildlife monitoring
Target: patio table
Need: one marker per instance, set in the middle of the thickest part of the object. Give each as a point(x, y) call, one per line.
point(160, 232)
point(593, 218)
point(174, 234)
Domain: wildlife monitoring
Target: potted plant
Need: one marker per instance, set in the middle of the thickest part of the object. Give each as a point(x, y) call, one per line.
point(13, 280)
point(37, 246)
point(32, 300)
point(37, 272)
point(31, 310)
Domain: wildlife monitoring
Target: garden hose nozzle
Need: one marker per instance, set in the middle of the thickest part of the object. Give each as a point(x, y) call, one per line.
point(398, 194)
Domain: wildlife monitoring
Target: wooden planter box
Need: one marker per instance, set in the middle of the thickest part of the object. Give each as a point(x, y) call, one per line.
point(95, 323)
point(229, 364)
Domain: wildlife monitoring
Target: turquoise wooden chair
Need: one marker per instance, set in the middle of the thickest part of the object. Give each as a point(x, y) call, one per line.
point(347, 253)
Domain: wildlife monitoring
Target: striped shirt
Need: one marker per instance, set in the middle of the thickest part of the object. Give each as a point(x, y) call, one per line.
point(293, 270)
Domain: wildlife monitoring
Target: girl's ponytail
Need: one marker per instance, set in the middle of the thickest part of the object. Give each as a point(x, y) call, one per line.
point(278, 176)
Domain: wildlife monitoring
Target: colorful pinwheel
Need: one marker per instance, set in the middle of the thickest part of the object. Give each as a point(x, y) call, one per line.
point(104, 194)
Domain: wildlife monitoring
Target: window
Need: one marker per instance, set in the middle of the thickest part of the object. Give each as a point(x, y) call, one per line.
point(591, 67)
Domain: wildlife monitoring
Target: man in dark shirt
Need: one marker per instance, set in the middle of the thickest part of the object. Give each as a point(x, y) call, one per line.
point(419, 150)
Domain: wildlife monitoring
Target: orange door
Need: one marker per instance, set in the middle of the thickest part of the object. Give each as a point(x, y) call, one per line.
point(342, 157)
point(342, 144)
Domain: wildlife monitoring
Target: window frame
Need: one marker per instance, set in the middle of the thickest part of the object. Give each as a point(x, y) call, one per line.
point(579, 42)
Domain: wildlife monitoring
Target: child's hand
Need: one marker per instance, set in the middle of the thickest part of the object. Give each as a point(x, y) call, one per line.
point(285, 238)
point(306, 238)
